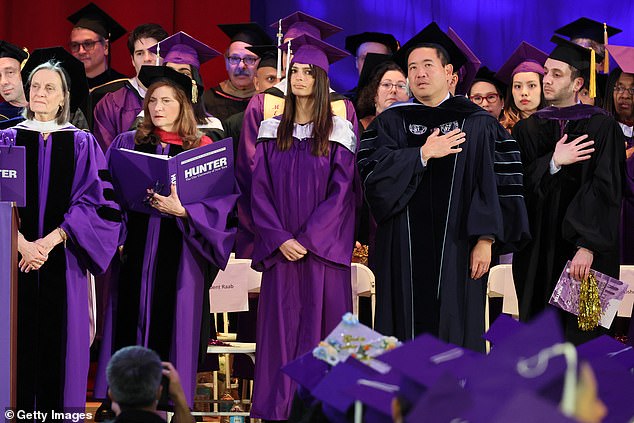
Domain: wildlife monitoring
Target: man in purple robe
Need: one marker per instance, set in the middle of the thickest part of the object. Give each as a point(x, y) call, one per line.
point(68, 195)
point(116, 111)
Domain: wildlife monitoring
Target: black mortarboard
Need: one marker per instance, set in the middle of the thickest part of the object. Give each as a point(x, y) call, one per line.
point(249, 32)
point(431, 34)
point(151, 74)
point(354, 41)
point(372, 61)
point(74, 68)
point(92, 17)
point(587, 28)
point(575, 55)
point(267, 55)
point(487, 75)
point(11, 50)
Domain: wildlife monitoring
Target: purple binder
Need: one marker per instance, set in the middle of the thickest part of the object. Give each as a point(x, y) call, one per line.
point(198, 173)
point(13, 174)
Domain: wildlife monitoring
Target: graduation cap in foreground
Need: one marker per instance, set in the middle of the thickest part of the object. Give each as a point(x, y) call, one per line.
point(525, 58)
point(74, 68)
point(468, 71)
point(94, 18)
point(353, 42)
point(308, 50)
point(431, 34)
point(299, 23)
point(184, 49)
point(267, 55)
point(623, 56)
point(588, 28)
point(11, 50)
point(248, 32)
point(151, 74)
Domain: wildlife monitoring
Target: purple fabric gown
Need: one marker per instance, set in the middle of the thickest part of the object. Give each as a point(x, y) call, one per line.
point(245, 162)
point(298, 195)
point(198, 242)
point(68, 187)
point(115, 113)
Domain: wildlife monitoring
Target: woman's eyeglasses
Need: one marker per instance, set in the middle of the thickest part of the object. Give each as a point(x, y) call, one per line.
point(620, 89)
point(388, 86)
point(490, 98)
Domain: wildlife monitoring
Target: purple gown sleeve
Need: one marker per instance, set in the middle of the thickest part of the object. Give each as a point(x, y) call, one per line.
point(93, 219)
point(105, 127)
point(329, 231)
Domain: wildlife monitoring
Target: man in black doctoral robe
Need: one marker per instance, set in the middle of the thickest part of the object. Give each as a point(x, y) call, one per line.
point(573, 157)
point(443, 182)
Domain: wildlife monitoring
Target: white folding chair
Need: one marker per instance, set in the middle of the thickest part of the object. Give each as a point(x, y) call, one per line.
point(627, 275)
point(501, 285)
point(363, 285)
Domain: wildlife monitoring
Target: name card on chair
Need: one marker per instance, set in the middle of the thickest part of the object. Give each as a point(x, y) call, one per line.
point(230, 290)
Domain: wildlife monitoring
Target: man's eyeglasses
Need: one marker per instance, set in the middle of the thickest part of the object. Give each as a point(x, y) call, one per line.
point(87, 45)
point(248, 60)
point(388, 86)
point(620, 89)
point(490, 98)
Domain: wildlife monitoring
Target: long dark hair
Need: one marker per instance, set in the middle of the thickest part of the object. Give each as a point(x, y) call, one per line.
point(321, 117)
point(365, 103)
point(512, 113)
point(185, 122)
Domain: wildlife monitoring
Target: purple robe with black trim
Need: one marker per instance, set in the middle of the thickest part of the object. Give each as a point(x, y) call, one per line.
point(69, 187)
point(157, 300)
point(115, 113)
point(298, 195)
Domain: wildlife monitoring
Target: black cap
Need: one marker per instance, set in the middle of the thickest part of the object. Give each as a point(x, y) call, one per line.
point(11, 50)
point(431, 34)
point(74, 68)
point(485, 74)
point(151, 74)
point(267, 55)
point(354, 41)
point(249, 32)
point(372, 61)
point(586, 28)
point(92, 17)
point(575, 55)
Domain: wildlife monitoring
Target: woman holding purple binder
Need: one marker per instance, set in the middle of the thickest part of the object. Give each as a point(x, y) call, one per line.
point(167, 257)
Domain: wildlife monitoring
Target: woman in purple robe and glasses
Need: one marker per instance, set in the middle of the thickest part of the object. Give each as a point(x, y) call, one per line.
point(68, 228)
point(168, 260)
point(304, 214)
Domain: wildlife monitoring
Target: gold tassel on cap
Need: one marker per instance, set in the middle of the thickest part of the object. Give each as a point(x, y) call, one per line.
point(593, 75)
point(589, 304)
point(26, 50)
point(194, 92)
point(606, 60)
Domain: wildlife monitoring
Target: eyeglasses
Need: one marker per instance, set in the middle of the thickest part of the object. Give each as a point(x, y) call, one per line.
point(620, 89)
point(388, 86)
point(490, 98)
point(87, 45)
point(248, 60)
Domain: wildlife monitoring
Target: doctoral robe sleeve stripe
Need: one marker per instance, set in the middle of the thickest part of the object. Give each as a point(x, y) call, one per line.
point(508, 168)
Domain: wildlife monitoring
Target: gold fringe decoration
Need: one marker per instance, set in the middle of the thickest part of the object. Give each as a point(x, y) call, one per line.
point(589, 304)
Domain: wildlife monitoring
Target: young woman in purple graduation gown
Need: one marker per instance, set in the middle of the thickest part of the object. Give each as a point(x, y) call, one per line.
point(166, 261)
point(69, 227)
point(304, 213)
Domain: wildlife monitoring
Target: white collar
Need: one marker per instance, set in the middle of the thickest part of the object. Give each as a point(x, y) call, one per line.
point(44, 127)
point(138, 87)
point(627, 130)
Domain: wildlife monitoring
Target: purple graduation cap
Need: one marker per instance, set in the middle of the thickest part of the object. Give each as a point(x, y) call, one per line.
point(307, 370)
point(309, 50)
point(94, 18)
point(299, 23)
point(525, 58)
point(623, 56)
point(184, 49)
point(501, 328)
point(468, 71)
point(527, 407)
point(443, 402)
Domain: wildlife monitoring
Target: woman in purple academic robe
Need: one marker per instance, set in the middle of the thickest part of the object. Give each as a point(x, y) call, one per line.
point(69, 227)
point(167, 261)
point(304, 213)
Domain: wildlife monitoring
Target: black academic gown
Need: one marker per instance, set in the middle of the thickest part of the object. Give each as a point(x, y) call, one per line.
point(430, 217)
point(578, 206)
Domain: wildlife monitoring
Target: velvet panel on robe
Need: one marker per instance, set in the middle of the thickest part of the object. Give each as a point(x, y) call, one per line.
point(157, 300)
point(221, 104)
point(68, 186)
point(298, 195)
point(578, 206)
point(627, 211)
point(115, 113)
point(245, 161)
point(430, 217)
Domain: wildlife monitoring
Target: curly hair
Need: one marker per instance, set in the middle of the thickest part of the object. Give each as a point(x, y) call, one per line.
point(365, 102)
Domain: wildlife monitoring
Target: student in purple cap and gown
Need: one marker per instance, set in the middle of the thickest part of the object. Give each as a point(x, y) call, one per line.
point(304, 212)
point(271, 103)
point(161, 308)
point(572, 156)
point(117, 111)
point(69, 227)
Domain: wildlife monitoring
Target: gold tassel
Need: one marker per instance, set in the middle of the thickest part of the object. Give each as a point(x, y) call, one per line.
point(194, 92)
point(26, 50)
point(589, 304)
point(593, 75)
point(606, 61)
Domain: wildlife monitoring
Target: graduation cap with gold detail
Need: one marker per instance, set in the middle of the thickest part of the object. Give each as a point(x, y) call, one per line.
point(151, 74)
point(581, 58)
point(12, 51)
point(94, 18)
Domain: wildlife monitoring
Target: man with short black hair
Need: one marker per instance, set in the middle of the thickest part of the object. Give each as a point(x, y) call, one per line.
point(11, 88)
point(134, 377)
